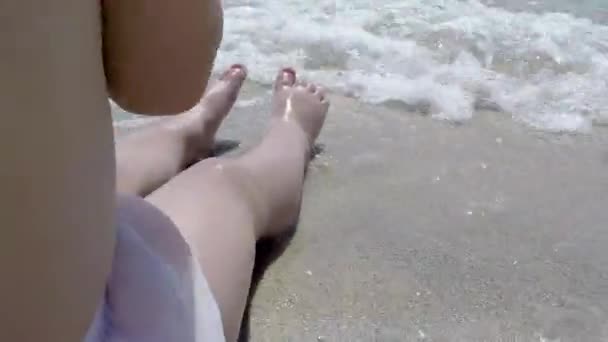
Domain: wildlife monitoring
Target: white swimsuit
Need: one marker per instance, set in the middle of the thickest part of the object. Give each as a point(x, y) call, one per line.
point(155, 297)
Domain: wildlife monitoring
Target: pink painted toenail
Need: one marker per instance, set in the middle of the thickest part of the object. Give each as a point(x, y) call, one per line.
point(238, 69)
point(289, 74)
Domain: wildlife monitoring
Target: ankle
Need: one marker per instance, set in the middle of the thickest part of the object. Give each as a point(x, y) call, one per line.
point(289, 131)
point(197, 135)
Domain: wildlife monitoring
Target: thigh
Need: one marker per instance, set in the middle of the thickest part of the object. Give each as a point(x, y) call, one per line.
point(159, 54)
point(157, 291)
point(57, 174)
point(210, 206)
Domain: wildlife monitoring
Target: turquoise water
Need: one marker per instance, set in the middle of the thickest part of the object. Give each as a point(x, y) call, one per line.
point(544, 63)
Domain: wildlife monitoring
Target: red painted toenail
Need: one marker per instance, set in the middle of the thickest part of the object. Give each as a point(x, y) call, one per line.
point(289, 72)
point(238, 69)
point(289, 75)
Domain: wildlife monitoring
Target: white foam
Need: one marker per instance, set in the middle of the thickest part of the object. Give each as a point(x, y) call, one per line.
point(446, 57)
point(244, 103)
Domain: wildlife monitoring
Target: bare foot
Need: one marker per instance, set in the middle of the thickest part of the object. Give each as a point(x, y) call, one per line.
point(298, 114)
point(301, 103)
point(204, 119)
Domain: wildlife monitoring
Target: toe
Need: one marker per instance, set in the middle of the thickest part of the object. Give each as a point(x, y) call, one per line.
point(285, 78)
point(226, 89)
point(311, 88)
point(237, 72)
point(321, 93)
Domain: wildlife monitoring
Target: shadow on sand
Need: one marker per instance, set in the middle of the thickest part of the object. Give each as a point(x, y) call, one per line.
point(267, 251)
point(224, 146)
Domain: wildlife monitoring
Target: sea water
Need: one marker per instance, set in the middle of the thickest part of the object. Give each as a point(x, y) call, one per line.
point(544, 63)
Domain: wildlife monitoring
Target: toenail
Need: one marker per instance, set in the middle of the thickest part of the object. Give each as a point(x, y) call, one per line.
point(288, 74)
point(237, 69)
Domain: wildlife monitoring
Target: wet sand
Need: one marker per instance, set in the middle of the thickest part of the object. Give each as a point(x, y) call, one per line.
point(414, 229)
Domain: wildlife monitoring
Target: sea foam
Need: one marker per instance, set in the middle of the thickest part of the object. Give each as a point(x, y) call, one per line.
point(446, 58)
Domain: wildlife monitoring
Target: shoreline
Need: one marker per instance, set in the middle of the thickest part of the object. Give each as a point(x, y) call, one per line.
point(414, 229)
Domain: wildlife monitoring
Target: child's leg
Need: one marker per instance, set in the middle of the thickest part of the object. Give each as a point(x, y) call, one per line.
point(222, 206)
point(149, 157)
point(57, 174)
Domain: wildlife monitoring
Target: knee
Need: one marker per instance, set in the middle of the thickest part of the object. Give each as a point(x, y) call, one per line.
point(143, 79)
point(234, 181)
point(226, 173)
